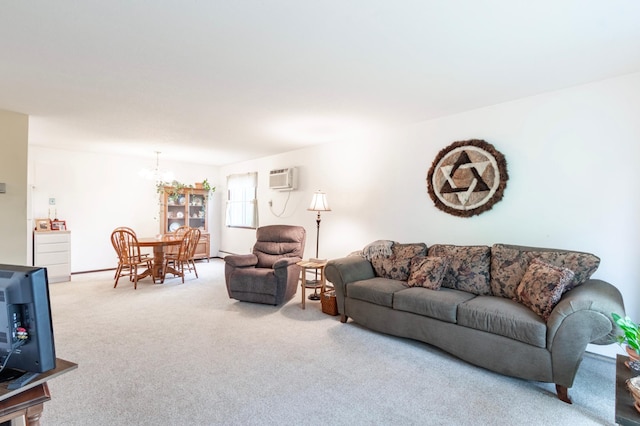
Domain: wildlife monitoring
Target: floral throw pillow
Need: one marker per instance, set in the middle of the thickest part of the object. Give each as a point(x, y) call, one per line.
point(542, 286)
point(509, 263)
point(468, 267)
point(397, 266)
point(427, 272)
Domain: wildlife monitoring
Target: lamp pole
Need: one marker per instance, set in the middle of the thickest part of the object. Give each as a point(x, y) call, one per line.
point(318, 204)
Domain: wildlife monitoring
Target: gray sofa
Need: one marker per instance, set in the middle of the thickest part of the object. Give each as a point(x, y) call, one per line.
point(481, 304)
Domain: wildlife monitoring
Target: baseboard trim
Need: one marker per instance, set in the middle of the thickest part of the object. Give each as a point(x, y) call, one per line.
point(113, 269)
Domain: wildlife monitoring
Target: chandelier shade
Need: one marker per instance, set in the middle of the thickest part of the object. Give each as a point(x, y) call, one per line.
point(157, 175)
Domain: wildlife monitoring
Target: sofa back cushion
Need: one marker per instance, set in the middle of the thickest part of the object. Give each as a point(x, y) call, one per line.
point(398, 265)
point(427, 272)
point(509, 264)
point(469, 267)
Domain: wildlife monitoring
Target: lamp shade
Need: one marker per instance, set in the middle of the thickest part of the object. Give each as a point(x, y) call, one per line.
point(319, 202)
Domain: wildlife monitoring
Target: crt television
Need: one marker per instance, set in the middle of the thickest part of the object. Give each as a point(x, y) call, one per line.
point(26, 329)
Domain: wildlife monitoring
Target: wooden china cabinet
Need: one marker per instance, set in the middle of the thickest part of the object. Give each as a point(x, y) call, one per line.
point(186, 206)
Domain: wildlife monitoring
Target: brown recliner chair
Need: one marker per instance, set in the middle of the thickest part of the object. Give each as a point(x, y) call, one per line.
point(269, 275)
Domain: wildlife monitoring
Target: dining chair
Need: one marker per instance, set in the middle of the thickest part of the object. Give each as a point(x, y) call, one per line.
point(119, 268)
point(184, 256)
point(193, 245)
point(178, 233)
point(125, 243)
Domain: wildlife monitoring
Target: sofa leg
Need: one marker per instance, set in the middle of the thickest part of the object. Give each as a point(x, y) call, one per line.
point(343, 318)
point(563, 393)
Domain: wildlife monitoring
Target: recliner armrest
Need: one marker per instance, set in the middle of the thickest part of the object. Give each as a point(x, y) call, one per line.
point(241, 260)
point(286, 262)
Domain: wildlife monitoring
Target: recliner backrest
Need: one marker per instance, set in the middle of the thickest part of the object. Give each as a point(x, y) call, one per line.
point(275, 242)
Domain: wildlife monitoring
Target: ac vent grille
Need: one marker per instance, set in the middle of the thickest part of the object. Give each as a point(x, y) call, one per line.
point(283, 179)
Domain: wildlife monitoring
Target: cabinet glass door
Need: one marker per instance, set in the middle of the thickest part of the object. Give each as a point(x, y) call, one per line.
point(197, 211)
point(175, 213)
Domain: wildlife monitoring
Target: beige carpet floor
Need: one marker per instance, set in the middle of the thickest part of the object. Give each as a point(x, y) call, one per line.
point(186, 354)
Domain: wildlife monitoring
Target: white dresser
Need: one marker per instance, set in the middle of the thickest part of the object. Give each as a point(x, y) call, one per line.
point(52, 249)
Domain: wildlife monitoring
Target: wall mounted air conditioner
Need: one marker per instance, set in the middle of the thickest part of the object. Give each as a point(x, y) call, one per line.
point(283, 179)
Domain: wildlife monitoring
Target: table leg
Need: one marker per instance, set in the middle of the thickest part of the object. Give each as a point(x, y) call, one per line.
point(34, 414)
point(158, 262)
point(304, 285)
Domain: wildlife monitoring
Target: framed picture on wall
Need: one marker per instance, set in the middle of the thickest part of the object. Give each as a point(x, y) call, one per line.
point(43, 225)
point(58, 225)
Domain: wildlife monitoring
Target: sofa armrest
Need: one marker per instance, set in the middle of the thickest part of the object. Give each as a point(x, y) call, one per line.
point(349, 269)
point(595, 296)
point(582, 316)
point(346, 270)
point(241, 260)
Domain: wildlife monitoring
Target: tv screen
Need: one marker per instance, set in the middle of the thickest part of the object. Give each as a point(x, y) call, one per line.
point(26, 329)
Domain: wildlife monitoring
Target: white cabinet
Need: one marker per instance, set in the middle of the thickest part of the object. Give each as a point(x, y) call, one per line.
point(53, 250)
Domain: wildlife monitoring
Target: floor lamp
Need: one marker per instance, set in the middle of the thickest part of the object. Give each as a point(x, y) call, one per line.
point(318, 204)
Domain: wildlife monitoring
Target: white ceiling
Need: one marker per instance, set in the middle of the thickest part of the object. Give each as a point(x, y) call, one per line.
point(218, 81)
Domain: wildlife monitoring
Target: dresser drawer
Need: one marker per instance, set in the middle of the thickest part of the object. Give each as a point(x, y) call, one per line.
point(46, 259)
point(52, 248)
point(52, 237)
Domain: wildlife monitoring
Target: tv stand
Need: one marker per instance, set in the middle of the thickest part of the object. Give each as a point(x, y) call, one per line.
point(28, 401)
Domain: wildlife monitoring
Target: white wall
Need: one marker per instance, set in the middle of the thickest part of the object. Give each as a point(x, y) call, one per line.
point(14, 229)
point(96, 193)
point(571, 158)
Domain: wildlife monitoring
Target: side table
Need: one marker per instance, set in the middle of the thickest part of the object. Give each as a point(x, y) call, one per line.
point(28, 400)
point(626, 414)
point(307, 265)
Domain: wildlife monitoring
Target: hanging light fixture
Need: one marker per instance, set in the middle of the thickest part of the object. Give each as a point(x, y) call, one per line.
point(157, 175)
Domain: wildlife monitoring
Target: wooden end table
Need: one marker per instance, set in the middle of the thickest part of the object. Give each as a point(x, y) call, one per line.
point(308, 265)
point(28, 401)
point(626, 414)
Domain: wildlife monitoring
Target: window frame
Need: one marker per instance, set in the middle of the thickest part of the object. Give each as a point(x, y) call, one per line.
point(242, 201)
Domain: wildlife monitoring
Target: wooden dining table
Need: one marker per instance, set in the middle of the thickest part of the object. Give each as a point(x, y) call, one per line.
point(159, 245)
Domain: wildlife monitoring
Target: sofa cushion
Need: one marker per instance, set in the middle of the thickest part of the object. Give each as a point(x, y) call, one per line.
point(442, 304)
point(504, 317)
point(427, 271)
point(397, 266)
point(469, 267)
point(376, 290)
point(509, 263)
point(542, 286)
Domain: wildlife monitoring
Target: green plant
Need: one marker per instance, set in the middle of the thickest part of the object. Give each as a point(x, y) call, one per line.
point(631, 335)
point(207, 186)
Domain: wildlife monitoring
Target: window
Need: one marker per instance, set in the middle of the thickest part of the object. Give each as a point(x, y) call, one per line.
point(242, 205)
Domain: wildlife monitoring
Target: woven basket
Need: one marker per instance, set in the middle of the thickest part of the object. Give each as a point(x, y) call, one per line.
point(634, 387)
point(329, 303)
